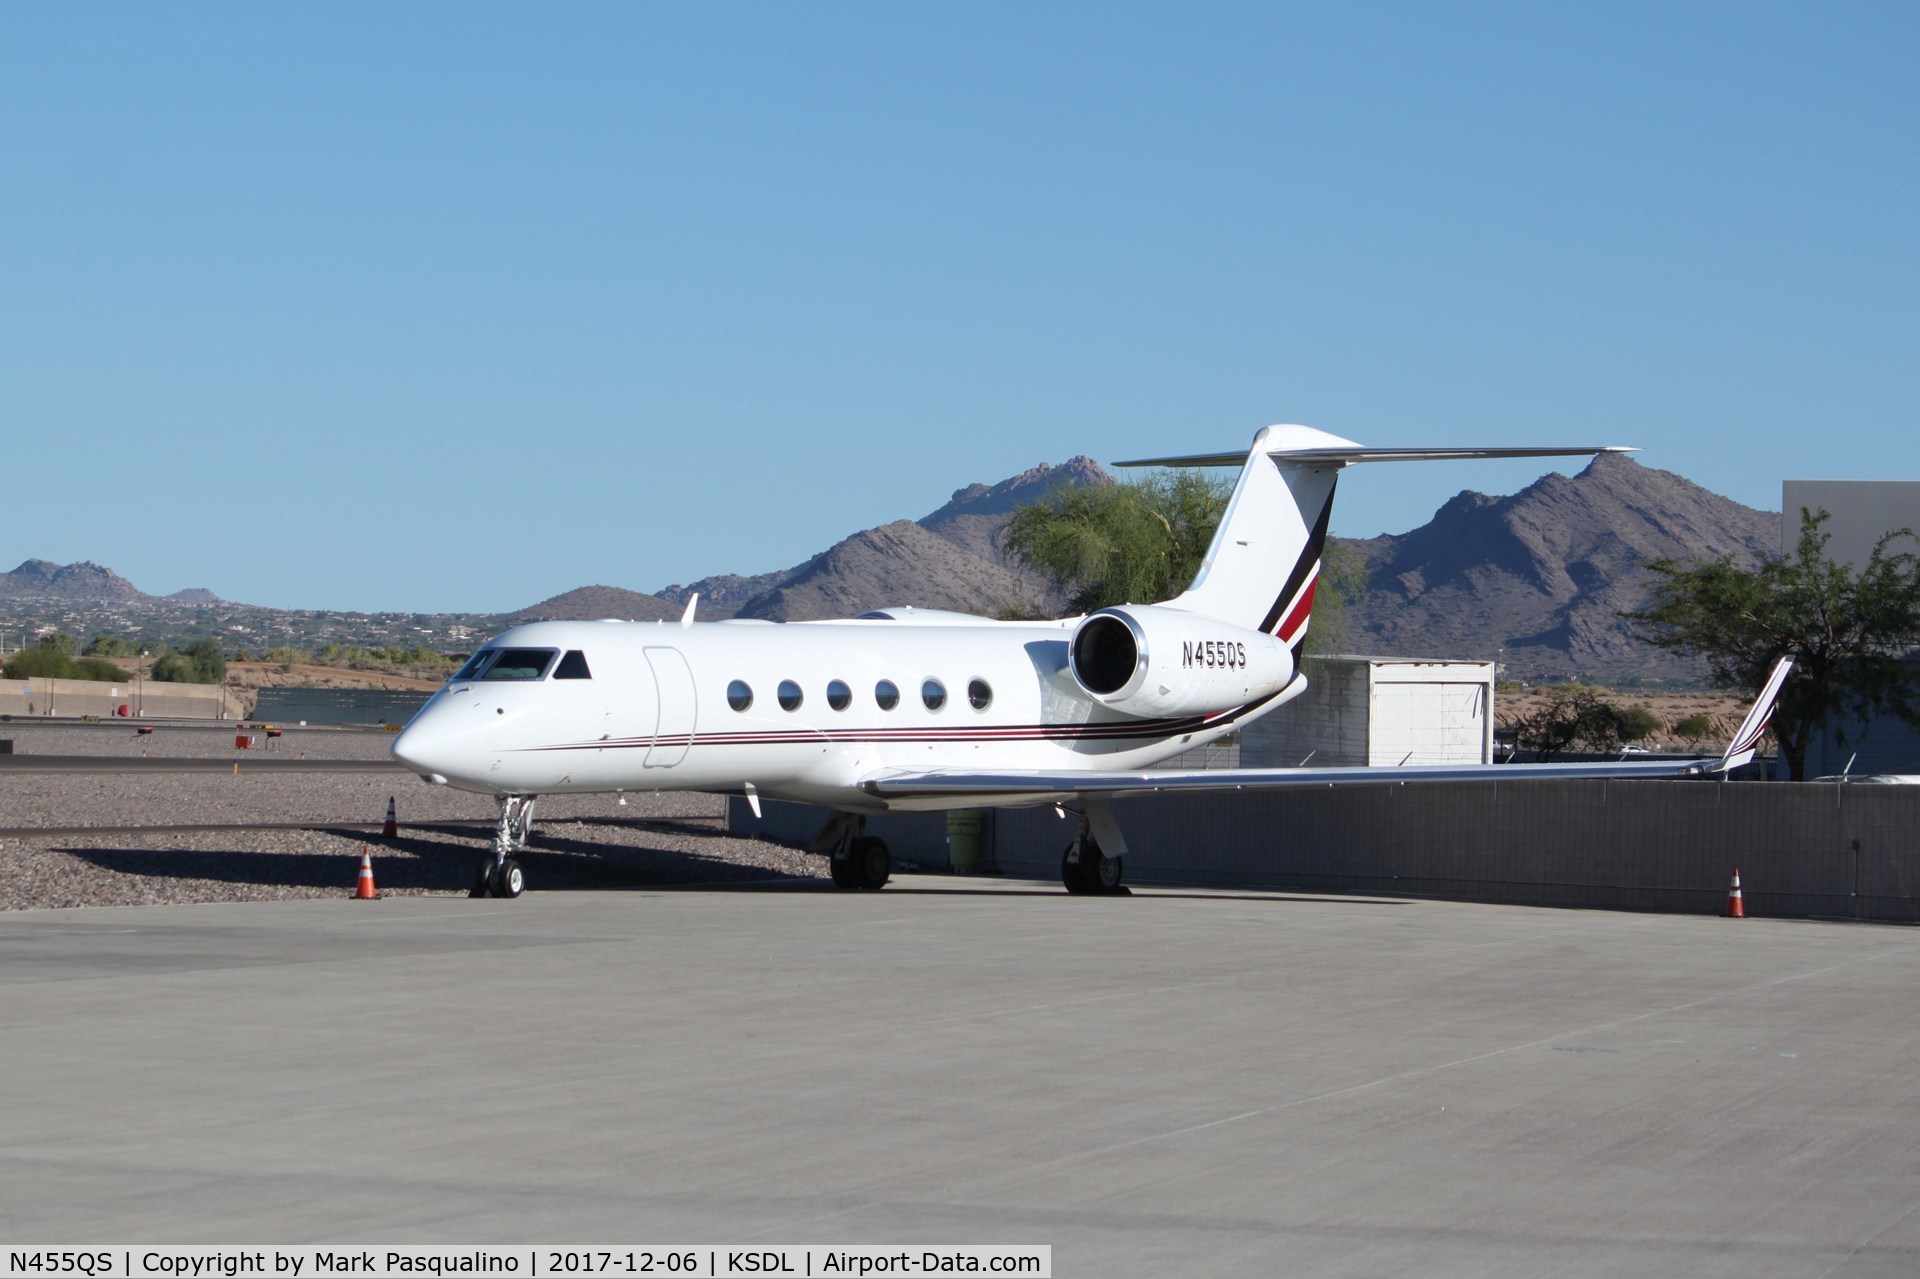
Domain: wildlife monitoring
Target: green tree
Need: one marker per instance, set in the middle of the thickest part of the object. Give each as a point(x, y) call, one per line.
point(108, 646)
point(1142, 542)
point(201, 662)
point(1847, 632)
point(43, 660)
point(208, 662)
point(1637, 723)
point(171, 668)
point(1130, 543)
point(51, 659)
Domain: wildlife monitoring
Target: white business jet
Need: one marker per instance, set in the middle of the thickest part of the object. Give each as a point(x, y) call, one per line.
point(911, 709)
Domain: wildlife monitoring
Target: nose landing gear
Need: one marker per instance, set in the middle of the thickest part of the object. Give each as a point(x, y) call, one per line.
point(501, 874)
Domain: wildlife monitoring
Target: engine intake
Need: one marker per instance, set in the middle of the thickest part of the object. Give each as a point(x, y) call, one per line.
point(1152, 661)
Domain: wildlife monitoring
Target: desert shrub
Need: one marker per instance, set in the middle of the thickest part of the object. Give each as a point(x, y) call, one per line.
point(1693, 728)
point(1638, 723)
point(99, 668)
point(47, 660)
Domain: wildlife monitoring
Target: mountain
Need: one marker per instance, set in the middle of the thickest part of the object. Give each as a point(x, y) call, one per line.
point(973, 518)
point(1535, 580)
point(1538, 579)
point(950, 559)
point(895, 564)
point(723, 595)
point(590, 603)
point(85, 582)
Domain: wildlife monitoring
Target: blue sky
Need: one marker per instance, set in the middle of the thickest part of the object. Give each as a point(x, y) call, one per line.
point(437, 306)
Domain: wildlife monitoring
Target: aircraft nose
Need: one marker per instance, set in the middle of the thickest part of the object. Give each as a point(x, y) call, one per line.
point(424, 745)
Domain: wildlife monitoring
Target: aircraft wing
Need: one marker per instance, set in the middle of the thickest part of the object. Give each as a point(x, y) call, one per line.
point(1036, 785)
point(957, 788)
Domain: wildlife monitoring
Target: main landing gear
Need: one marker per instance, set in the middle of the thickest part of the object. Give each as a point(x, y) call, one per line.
point(1084, 868)
point(857, 859)
point(500, 875)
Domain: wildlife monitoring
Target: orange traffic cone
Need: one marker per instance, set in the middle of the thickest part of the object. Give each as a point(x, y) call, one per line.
point(365, 891)
point(392, 827)
point(1736, 909)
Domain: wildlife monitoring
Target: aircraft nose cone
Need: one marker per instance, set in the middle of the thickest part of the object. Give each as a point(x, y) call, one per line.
point(424, 746)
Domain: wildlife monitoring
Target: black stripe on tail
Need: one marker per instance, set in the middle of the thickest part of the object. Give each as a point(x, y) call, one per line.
point(1309, 556)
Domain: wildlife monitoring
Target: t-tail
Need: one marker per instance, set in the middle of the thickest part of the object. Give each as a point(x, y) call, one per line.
point(1261, 571)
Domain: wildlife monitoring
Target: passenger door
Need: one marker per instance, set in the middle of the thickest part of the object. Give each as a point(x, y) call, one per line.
point(673, 731)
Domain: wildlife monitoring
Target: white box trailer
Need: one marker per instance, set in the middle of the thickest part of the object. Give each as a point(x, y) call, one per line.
point(1379, 711)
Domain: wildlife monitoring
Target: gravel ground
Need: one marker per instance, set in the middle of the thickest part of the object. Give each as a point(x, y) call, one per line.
point(583, 841)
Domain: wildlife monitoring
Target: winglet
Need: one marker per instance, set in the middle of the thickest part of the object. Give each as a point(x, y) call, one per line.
point(686, 618)
point(1740, 749)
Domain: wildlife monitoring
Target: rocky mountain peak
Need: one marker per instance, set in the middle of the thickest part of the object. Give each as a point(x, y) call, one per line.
point(1540, 578)
point(82, 582)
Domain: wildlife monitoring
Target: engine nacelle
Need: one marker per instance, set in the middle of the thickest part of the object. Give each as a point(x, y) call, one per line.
point(1152, 661)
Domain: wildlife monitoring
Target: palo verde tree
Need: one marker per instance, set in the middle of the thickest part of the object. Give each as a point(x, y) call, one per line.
point(1140, 542)
point(1846, 631)
point(1128, 543)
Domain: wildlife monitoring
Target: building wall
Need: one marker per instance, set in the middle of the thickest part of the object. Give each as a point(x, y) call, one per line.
point(338, 705)
point(1863, 511)
point(74, 697)
point(1379, 711)
point(1802, 849)
point(1884, 745)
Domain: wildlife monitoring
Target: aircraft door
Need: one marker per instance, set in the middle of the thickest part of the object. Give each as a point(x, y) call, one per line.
point(673, 732)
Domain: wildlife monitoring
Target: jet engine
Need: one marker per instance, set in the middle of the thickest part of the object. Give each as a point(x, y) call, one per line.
point(1150, 661)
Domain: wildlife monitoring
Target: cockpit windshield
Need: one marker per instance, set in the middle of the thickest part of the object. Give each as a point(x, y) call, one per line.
point(474, 663)
point(507, 664)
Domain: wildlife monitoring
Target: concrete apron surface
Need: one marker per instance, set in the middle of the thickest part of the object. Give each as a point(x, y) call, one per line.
point(1181, 1082)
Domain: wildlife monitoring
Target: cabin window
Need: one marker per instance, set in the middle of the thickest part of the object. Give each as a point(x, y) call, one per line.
point(472, 669)
point(839, 696)
point(934, 694)
point(886, 695)
point(573, 666)
point(739, 695)
point(789, 694)
point(520, 664)
point(979, 693)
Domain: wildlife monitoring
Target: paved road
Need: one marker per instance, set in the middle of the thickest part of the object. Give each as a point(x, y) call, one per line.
point(1176, 1083)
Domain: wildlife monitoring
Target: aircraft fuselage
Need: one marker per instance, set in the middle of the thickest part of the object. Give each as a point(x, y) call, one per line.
point(710, 706)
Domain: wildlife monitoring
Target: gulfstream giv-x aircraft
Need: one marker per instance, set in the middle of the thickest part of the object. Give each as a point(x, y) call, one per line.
point(912, 709)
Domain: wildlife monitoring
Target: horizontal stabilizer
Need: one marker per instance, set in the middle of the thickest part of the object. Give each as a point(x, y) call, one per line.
point(1349, 456)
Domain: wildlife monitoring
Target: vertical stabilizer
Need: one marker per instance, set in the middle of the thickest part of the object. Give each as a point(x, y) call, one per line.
point(1264, 562)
